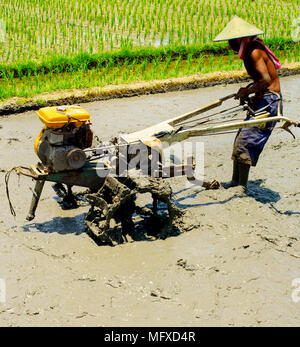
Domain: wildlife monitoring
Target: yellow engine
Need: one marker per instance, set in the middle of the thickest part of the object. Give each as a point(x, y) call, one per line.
point(60, 144)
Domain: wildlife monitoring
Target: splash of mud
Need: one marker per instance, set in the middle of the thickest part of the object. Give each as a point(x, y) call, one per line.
point(114, 214)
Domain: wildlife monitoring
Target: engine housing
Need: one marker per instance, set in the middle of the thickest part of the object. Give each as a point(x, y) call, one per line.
point(60, 145)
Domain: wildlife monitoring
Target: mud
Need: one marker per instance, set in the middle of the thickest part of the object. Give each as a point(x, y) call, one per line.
point(232, 264)
point(116, 214)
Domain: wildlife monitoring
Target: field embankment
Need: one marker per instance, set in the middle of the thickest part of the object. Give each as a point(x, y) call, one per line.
point(60, 97)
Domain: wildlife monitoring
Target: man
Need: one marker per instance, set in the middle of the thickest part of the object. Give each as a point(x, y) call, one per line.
point(261, 65)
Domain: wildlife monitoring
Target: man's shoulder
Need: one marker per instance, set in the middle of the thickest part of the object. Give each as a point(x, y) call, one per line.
point(256, 50)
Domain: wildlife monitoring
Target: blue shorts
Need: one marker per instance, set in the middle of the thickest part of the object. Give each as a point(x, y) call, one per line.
point(249, 142)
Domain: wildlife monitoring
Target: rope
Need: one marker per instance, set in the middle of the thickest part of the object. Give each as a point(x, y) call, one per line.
point(207, 117)
point(221, 133)
point(265, 107)
point(7, 176)
point(218, 121)
point(211, 115)
point(224, 111)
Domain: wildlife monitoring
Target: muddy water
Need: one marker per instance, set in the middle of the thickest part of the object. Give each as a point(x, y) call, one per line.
point(233, 265)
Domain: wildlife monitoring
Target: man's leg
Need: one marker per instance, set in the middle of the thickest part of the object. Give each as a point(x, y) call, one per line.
point(235, 174)
point(243, 170)
point(240, 175)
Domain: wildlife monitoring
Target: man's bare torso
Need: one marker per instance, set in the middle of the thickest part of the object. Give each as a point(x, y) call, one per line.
point(255, 58)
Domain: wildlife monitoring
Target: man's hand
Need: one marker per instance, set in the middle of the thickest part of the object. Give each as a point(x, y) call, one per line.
point(242, 94)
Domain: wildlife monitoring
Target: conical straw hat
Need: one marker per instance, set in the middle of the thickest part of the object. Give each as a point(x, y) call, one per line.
point(237, 28)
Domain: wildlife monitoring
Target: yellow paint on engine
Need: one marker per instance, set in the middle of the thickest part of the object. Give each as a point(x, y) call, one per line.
point(37, 141)
point(57, 116)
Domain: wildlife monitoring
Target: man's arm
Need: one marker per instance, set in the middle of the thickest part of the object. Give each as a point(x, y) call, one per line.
point(260, 67)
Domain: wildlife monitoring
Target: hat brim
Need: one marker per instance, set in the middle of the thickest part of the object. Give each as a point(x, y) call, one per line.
point(235, 37)
point(237, 28)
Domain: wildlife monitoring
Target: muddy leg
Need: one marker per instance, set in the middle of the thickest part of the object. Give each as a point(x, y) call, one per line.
point(243, 174)
point(235, 176)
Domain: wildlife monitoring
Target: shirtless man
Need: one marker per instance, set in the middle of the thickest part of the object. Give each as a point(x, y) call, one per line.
point(261, 65)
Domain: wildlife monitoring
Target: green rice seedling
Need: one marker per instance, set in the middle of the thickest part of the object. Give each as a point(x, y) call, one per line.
point(177, 65)
point(188, 63)
point(200, 63)
point(37, 31)
point(143, 66)
point(166, 66)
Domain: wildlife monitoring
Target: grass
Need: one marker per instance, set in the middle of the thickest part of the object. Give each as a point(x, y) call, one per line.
point(67, 44)
point(129, 71)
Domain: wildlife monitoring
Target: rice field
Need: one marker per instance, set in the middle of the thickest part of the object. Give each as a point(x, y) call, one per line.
point(42, 38)
point(37, 28)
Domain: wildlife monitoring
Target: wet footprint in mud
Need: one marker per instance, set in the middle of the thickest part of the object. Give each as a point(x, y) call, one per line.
point(12, 139)
point(278, 146)
point(183, 264)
